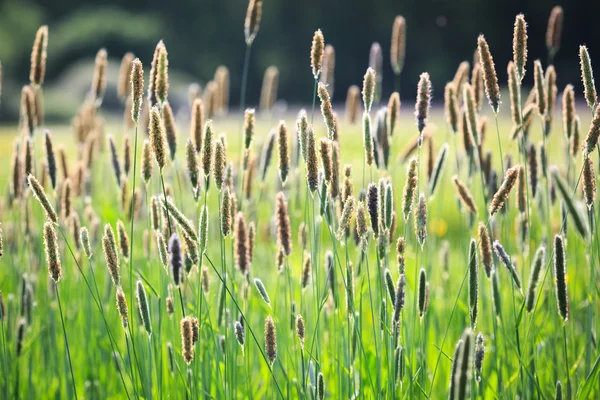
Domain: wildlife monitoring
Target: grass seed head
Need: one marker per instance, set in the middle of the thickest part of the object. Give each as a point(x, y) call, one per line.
point(270, 340)
point(283, 151)
point(316, 53)
point(410, 187)
point(589, 182)
point(560, 275)
point(398, 44)
point(423, 102)
point(43, 199)
point(568, 111)
point(515, 94)
point(157, 137)
point(520, 45)
point(187, 339)
point(122, 308)
point(554, 31)
point(421, 219)
point(422, 293)
point(473, 283)
point(328, 69)
point(38, 56)
point(368, 90)
point(52, 251)
point(270, 85)
point(352, 103)
point(500, 197)
point(490, 79)
point(262, 291)
point(252, 22)
point(241, 244)
point(587, 77)
point(312, 169)
point(451, 107)
point(176, 259)
point(534, 277)
point(218, 166)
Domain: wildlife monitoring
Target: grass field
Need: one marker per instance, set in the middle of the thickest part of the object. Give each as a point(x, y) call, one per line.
point(66, 339)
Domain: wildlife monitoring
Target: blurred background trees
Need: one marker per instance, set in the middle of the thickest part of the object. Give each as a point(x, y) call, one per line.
point(203, 34)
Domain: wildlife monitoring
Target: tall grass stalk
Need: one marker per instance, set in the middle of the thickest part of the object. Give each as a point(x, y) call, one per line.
point(62, 320)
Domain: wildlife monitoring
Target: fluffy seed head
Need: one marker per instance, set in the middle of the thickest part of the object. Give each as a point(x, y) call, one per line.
point(540, 87)
point(252, 22)
point(99, 80)
point(398, 44)
point(312, 169)
point(109, 245)
point(207, 149)
point(560, 275)
point(345, 217)
point(510, 178)
point(399, 298)
point(180, 219)
point(554, 31)
point(421, 219)
point(515, 94)
point(422, 293)
point(490, 79)
point(591, 140)
point(137, 89)
point(161, 85)
point(423, 101)
point(473, 282)
point(451, 107)
point(368, 91)
point(503, 256)
point(122, 308)
point(316, 53)
point(284, 235)
point(326, 109)
point(157, 138)
point(219, 161)
point(520, 45)
point(168, 121)
point(393, 113)
point(268, 92)
point(462, 380)
point(270, 340)
point(410, 187)
point(328, 69)
point(352, 103)
point(40, 195)
point(587, 77)
point(589, 182)
point(28, 112)
point(187, 339)
point(283, 151)
point(569, 112)
point(176, 259)
point(197, 124)
point(262, 291)
point(300, 329)
point(241, 244)
point(38, 56)
point(52, 251)
point(485, 249)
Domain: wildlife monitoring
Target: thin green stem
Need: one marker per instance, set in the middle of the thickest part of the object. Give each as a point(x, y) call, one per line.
point(62, 320)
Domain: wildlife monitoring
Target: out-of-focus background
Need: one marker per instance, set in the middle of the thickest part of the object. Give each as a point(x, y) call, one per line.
point(203, 34)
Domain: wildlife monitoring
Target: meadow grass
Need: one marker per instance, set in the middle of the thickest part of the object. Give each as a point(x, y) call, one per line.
point(286, 279)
